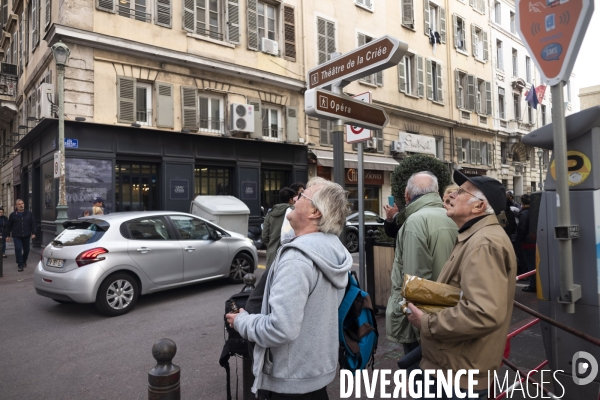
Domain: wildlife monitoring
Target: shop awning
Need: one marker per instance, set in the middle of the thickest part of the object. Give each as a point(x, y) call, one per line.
point(325, 159)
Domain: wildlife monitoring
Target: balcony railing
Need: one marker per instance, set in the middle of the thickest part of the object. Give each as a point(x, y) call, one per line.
point(209, 33)
point(144, 117)
point(273, 133)
point(212, 125)
point(8, 85)
point(139, 12)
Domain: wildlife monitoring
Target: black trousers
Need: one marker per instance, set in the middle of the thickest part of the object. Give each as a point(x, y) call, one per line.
point(320, 394)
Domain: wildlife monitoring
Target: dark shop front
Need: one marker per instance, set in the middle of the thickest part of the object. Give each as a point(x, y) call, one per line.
point(136, 169)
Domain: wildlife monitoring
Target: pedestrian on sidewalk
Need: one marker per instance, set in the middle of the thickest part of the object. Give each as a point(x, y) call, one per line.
point(21, 226)
point(3, 222)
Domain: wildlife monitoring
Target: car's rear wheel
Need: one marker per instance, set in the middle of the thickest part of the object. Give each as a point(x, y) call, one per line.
point(241, 265)
point(117, 294)
point(352, 241)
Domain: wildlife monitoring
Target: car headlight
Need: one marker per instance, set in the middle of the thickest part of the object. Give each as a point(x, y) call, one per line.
point(250, 240)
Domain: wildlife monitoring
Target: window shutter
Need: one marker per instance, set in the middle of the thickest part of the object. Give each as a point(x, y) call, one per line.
point(455, 24)
point(379, 78)
point(368, 4)
point(472, 3)
point(48, 13)
point(290, 32)
point(35, 22)
point(474, 40)
point(429, 80)
point(125, 100)
point(420, 76)
point(473, 159)
point(21, 23)
point(233, 21)
point(26, 30)
point(488, 98)
point(485, 46)
point(257, 118)
point(379, 136)
point(426, 15)
point(330, 38)
point(163, 13)
point(457, 83)
point(401, 77)
point(471, 92)
point(188, 15)
point(361, 39)
point(459, 150)
point(482, 6)
point(4, 19)
point(252, 25)
point(189, 108)
point(323, 131)
point(442, 32)
point(440, 93)
point(164, 105)
point(322, 40)
point(479, 155)
point(407, 12)
point(291, 124)
point(106, 5)
point(489, 154)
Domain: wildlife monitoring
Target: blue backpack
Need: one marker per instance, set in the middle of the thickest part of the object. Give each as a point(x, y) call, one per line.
point(357, 328)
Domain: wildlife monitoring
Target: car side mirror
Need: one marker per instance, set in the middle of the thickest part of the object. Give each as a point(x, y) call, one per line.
point(217, 235)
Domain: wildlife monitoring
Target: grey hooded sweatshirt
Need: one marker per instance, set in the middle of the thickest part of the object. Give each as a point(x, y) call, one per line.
point(296, 334)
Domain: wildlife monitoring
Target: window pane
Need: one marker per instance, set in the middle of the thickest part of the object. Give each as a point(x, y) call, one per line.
point(204, 112)
point(215, 114)
point(270, 12)
point(148, 229)
point(190, 228)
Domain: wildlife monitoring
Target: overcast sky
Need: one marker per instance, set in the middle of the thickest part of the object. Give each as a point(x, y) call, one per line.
point(587, 66)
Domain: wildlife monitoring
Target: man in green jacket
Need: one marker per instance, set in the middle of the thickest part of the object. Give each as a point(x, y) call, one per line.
point(423, 246)
point(272, 225)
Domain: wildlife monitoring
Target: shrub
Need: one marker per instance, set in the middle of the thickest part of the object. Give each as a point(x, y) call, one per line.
point(417, 163)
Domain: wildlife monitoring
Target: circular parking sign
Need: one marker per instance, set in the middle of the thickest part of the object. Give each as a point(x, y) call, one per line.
point(579, 167)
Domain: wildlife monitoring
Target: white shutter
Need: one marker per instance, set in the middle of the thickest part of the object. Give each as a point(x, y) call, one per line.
point(442, 31)
point(125, 100)
point(106, 5)
point(407, 13)
point(289, 32)
point(429, 80)
point(252, 22)
point(163, 13)
point(330, 38)
point(291, 124)
point(189, 108)
point(488, 98)
point(471, 92)
point(459, 150)
point(35, 22)
point(474, 40)
point(489, 154)
point(420, 76)
point(188, 15)
point(457, 84)
point(440, 92)
point(473, 159)
point(379, 78)
point(324, 132)
point(455, 25)
point(485, 46)
point(379, 136)
point(401, 76)
point(164, 105)
point(426, 16)
point(257, 118)
point(233, 21)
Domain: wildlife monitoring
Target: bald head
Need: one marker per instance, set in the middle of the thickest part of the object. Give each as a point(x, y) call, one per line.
point(421, 183)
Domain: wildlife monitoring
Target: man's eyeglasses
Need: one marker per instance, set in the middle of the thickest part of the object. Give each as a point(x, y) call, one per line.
point(303, 195)
point(461, 190)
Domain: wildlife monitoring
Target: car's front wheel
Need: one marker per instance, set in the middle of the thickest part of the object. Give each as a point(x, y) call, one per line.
point(117, 294)
point(241, 265)
point(352, 241)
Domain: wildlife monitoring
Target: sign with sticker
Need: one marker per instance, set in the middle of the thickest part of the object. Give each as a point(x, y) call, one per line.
point(579, 167)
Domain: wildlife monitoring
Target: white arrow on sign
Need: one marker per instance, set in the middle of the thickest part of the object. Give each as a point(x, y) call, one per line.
point(355, 134)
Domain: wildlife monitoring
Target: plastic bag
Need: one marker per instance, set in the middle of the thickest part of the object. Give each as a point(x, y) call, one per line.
point(426, 309)
point(425, 292)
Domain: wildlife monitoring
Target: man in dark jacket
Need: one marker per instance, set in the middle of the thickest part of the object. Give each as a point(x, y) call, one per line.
point(21, 226)
point(273, 221)
point(526, 241)
point(3, 222)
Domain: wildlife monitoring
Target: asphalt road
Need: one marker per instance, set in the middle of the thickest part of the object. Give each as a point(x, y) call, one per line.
point(68, 351)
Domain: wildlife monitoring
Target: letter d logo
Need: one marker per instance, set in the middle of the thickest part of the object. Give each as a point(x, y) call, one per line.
point(581, 363)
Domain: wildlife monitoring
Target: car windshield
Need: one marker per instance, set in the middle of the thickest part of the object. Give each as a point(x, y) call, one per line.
point(77, 233)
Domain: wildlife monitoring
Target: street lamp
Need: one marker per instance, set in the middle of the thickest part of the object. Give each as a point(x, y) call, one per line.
point(61, 55)
point(540, 154)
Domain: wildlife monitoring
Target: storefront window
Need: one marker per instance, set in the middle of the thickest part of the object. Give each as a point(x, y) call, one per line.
point(371, 198)
point(212, 181)
point(86, 179)
point(272, 182)
point(136, 187)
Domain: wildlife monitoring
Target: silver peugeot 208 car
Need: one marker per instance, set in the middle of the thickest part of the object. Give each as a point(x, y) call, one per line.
point(111, 259)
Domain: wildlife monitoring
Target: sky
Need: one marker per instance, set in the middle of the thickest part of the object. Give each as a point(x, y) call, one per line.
point(587, 66)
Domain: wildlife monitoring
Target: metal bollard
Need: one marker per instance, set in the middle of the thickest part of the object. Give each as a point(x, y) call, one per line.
point(247, 374)
point(164, 377)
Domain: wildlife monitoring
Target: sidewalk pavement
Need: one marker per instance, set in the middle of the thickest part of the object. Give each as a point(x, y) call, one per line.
point(9, 265)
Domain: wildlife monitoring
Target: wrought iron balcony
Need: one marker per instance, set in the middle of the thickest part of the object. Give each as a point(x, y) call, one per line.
point(273, 133)
point(212, 125)
point(8, 85)
point(138, 12)
point(209, 33)
point(144, 117)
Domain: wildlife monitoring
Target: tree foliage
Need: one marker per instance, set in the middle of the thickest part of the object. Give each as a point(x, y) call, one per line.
point(417, 163)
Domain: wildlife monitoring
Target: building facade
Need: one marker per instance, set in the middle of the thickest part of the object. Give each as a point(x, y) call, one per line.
point(589, 96)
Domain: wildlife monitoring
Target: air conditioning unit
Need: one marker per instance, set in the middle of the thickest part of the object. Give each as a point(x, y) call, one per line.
point(9, 69)
point(270, 46)
point(370, 145)
point(242, 117)
point(396, 146)
point(45, 99)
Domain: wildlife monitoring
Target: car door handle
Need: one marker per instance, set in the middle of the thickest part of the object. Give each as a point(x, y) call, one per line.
point(190, 249)
point(144, 250)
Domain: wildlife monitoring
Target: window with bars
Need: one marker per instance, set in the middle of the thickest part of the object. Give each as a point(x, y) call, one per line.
point(374, 79)
point(411, 75)
point(211, 114)
point(434, 81)
point(213, 181)
point(326, 39)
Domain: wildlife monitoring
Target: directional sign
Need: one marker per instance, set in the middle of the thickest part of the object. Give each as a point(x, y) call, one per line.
point(553, 31)
point(369, 58)
point(356, 134)
point(323, 104)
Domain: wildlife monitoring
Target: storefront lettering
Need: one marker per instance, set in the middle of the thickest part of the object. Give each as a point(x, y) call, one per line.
point(417, 143)
point(371, 177)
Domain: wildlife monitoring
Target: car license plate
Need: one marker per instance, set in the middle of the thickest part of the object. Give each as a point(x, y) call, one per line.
point(53, 262)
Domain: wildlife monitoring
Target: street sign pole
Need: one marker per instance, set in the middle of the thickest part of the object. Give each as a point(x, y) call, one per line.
point(569, 293)
point(338, 148)
point(361, 217)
